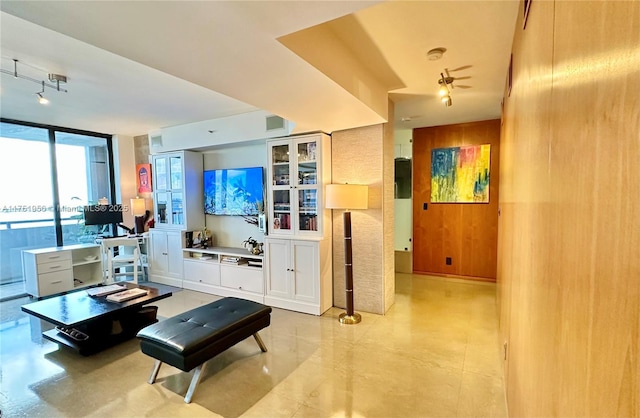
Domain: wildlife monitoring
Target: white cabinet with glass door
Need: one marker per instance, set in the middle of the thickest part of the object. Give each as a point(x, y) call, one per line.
point(298, 270)
point(177, 196)
point(178, 205)
point(298, 170)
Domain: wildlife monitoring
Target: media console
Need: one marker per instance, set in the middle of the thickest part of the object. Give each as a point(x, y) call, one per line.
point(224, 271)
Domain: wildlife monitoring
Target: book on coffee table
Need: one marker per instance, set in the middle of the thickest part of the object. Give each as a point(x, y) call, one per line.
point(126, 295)
point(105, 290)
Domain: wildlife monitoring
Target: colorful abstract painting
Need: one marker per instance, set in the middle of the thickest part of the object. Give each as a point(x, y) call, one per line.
point(460, 174)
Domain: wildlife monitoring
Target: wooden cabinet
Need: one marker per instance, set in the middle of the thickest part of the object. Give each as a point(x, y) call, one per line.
point(165, 257)
point(178, 193)
point(298, 169)
point(299, 275)
point(224, 271)
point(48, 271)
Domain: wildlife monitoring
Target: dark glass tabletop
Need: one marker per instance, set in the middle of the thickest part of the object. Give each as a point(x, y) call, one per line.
point(77, 308)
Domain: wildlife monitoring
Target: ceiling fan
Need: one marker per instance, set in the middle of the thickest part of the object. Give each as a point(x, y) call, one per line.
point(447, 79)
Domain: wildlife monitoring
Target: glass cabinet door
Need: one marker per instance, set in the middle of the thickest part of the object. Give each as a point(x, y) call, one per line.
point(307, 187)
point(295, 189)
point(280, 165)
point(160, 167)
point(177, 208)
point(162, 202)
point(307, 210)
point(281, 209)
point(175, 167)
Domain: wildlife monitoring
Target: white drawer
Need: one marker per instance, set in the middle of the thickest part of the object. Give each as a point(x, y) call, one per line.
point(56, 282)
point(57, 265)
point(53, 256)
point(242, 278)
point(202, 272)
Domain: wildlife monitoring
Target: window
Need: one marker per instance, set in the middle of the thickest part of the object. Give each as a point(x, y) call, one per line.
point(47, 175)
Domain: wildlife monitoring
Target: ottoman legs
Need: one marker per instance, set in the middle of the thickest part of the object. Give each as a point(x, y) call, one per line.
point(194, 382)
point(154, 372)
point(260, 342)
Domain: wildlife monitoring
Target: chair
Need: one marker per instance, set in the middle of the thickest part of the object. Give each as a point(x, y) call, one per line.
point(122, 253)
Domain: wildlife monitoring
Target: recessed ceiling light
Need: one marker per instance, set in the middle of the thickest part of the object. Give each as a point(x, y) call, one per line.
point(436, 53)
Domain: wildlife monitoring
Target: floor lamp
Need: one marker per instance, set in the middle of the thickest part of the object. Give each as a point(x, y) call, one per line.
point(347, 196)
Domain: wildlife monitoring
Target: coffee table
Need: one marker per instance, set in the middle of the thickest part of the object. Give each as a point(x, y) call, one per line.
point(102, 322)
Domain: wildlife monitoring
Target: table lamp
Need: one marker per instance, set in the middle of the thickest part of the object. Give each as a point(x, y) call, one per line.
point(347, 196)
point(138, 209)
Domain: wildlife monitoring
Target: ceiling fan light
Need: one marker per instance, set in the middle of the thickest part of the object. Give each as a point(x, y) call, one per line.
point(445, 98)
point(443, 91)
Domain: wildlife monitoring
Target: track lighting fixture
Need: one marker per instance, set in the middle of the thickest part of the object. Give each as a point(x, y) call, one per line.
point(57, 78)
point(445, 90)
point(41, 98)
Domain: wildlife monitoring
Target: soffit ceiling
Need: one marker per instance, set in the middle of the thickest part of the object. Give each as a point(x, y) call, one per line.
point(137, 66)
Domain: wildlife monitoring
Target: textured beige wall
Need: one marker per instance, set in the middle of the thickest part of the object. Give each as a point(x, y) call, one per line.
point(388, 210)
point(358, 157)
point(141, 149)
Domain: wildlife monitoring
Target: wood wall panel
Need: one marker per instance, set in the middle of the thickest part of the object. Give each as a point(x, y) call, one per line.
point(465, 232)
point(569, 240)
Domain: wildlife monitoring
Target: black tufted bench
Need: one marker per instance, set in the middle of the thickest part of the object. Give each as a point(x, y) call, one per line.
point(188, 340)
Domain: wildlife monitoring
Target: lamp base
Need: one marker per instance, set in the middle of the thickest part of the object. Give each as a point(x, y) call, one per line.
point(345, 318)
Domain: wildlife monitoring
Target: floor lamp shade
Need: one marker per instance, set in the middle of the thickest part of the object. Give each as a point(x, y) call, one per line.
point(138, 210)
point(347, 196)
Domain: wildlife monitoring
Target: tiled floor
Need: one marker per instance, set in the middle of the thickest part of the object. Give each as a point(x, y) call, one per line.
point(435, 353)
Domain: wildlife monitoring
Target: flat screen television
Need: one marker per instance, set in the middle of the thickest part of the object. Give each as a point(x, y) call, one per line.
point(233, 191)
point(102, 214)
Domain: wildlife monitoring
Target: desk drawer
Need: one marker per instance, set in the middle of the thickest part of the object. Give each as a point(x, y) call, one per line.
point(59, 265)
point(242, 278)
point(53, 256)
point(56, 282)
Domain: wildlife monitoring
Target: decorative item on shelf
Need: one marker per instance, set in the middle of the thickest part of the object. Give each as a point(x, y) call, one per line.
point(253, 246)
point(347, 196)
point(199, 239)
point(207, 238)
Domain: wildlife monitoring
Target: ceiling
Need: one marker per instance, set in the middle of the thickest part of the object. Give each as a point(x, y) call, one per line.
point(134, 66)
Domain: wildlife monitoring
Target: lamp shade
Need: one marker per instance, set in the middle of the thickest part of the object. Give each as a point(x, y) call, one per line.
point(138, 207)
point(347, 196)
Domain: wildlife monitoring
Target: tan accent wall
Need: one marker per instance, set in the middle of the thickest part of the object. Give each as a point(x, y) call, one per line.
point(141, 149)
point(359, 157)
point(569, 229)
point(388, 209)
point(465, 232)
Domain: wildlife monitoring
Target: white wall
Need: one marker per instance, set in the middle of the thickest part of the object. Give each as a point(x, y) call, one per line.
point(230, 231)
point(403, 213)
